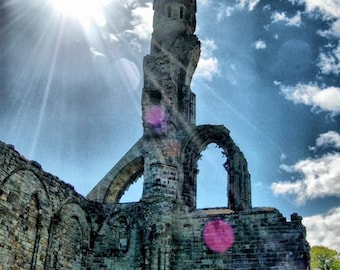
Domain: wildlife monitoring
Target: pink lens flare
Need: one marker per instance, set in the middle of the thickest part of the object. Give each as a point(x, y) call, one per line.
point(156, 117)
point(218, 235)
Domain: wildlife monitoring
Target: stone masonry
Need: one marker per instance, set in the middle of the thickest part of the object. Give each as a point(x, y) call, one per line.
point(45, 224)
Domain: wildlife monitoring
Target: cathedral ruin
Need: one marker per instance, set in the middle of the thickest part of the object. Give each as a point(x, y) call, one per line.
point(46, 224)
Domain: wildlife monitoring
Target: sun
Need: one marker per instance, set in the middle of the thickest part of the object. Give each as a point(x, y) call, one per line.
point(85, 11)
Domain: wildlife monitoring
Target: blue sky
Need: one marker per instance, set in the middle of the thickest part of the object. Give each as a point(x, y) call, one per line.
point(70, 91)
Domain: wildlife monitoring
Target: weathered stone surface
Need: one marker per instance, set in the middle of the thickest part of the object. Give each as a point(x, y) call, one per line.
point(45, 224)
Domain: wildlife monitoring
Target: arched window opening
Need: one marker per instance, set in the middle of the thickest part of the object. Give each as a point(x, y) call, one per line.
point(181, 12)
point(134, 191)
point(212, 178)
point(155, 97)
point(168, 11)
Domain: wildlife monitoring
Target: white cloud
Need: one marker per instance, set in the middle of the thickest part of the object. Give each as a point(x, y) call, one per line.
point(283, 157)
point(328, 8)
point(325, 99)
point(226, 11)
point(208, 47)
point(323, 229)
point(281, 17)
point(208, 65)
point(334, 30)
point(250, 4)
point(330, 62)
point(267, 7)
point(278, 17)
point(207, 68)
point(260, 45)
point(330, 138)
point(142, 21)
point(319, 178)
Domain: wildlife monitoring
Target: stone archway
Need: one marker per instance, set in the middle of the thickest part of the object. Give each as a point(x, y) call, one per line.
point(28, 205)
point(123, 179)
point(111, 188)
point(211, 178)
point(239, 192)
point(69, 239)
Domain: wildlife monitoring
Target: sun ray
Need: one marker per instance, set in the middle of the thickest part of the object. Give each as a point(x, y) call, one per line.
point(47, 90)
point(28, 71)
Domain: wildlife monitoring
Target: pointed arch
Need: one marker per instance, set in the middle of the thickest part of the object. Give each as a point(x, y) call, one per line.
point(120, 177)
point(181, 11)
point(124, 178)
point(115, 232)
point(25, 197)
point(239, 197)
point(168, 11)
point(212, 178)
point(69, 239)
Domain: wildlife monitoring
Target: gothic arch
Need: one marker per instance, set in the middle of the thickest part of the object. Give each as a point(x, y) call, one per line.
point(123, 179)
point(181, 11)
point(69, 239)
point(120, 177)
point(168, 11)
point(26, 170)
point(239, 197)
point(116, 233)
point(30, 205)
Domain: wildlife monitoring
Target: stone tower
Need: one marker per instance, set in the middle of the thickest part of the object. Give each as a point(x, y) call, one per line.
point(168, 151)
point(59, 229)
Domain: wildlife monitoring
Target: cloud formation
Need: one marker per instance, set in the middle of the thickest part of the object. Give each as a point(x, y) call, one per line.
point(329, 139)
point(323, 229)
point(282, 17)
point(319, 176)
point(208, 66)
point(329, 9)
point(329, 62)
point(142, 21)
point(250, 4)
point(226, 10)
point(324, 99)
point(333, 31)
point(260, 45)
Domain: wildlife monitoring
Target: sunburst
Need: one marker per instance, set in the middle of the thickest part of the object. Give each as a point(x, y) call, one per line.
point(85, 11)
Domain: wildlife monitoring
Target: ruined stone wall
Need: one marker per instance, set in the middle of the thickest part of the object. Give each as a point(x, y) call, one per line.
point(263, 240)
point(43, 224)
point(117, 241)
point(46, 224)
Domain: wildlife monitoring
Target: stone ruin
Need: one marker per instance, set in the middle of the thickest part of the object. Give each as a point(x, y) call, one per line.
point(46, 224)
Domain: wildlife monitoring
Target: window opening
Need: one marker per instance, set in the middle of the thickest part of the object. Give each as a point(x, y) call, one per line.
point(212, 178)
point(155, 97)
point(168, 11)
point(181, 12)
point(134, 191)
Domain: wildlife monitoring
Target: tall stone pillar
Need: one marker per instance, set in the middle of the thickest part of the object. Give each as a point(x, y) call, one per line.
point(168, 109)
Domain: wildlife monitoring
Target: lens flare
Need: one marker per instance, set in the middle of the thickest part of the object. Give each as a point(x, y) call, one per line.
point(157, 119)
point(218, 235)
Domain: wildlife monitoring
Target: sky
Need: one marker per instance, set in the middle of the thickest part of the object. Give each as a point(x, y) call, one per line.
point(71, 82)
